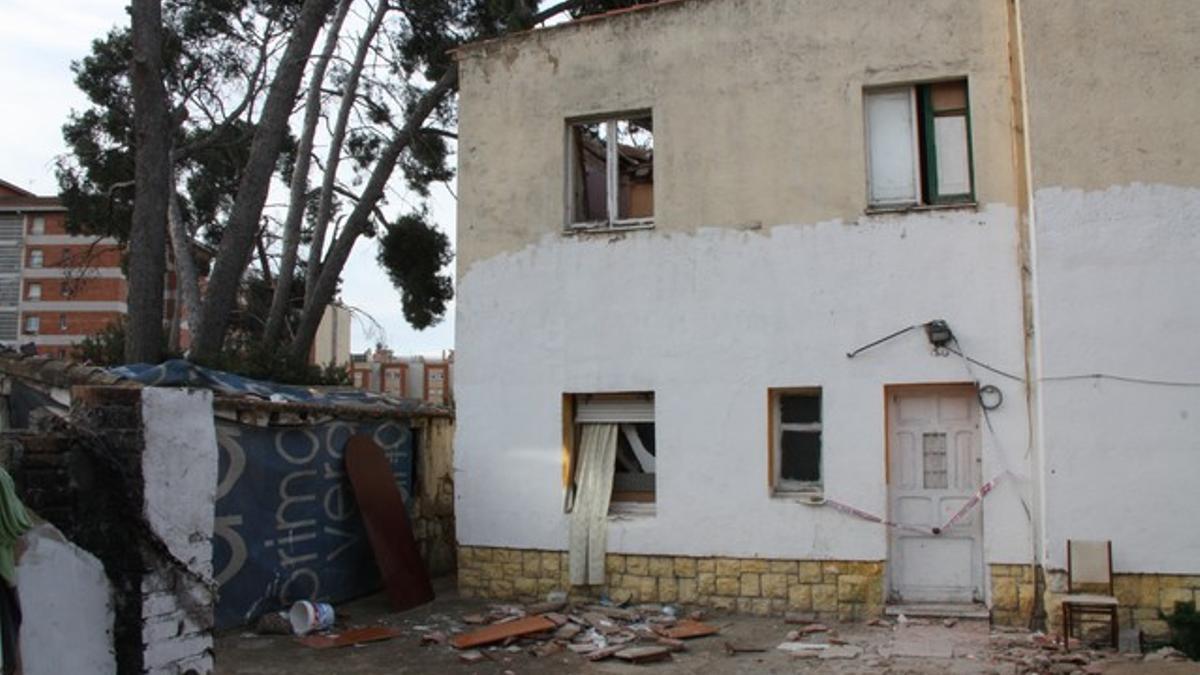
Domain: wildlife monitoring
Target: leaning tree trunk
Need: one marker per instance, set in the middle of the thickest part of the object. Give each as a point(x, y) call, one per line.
point(298, 192)
point(187, 278)
point(359, 219)
point(237, 243)
point(147, 234)
point(337, 138)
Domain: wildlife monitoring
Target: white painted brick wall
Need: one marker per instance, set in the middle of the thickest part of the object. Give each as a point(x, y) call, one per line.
point(179, 465)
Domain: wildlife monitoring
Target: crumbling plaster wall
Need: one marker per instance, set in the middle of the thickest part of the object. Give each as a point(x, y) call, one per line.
point(757, 105)
point(762, 269)
point(179, 468)
point(1112, 101)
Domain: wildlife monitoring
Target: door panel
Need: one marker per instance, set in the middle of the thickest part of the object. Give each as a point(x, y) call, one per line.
point(934, 469)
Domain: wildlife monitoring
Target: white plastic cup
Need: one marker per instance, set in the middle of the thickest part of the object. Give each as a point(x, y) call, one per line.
point(308, 617)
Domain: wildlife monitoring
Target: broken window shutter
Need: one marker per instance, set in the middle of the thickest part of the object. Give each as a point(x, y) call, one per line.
point(615, 410)
point(891, 146)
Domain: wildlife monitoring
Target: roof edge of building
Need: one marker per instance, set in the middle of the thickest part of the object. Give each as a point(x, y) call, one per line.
point(469, 48)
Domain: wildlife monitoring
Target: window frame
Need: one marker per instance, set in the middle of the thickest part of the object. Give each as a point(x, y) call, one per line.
point(37, 225)
point(925, 165)
point(30, 287)
point(32, 325)
point(787, 487)
point(637, 502)
point(39, 255)
point(611, 175)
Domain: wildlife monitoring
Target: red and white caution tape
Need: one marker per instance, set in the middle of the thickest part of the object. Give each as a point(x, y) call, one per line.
point(966, 508)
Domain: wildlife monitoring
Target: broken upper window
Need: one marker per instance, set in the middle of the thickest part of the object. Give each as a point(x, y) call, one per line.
point(796, 439)
point(919, 145)
point(612, 449)
point(611, 172)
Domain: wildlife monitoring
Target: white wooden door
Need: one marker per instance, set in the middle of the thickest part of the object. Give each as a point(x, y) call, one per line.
point(934, 468)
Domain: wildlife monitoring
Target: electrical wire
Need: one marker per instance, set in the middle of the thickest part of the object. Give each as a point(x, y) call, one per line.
point(1017, 378)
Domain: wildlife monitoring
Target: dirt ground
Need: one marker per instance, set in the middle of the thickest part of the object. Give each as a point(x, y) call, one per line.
point(966, 648)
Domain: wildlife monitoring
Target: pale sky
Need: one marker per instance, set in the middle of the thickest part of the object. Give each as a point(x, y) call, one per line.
point(38, 41)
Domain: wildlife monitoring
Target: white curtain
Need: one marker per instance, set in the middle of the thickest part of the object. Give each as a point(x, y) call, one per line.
point(593, 488)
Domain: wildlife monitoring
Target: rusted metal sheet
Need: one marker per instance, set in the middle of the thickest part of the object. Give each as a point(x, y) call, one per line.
point(404, 575)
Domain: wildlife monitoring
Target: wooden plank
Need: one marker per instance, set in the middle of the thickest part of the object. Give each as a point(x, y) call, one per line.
point(688, 629)
point(404, 574)
point(355, 636)
point(502, 631)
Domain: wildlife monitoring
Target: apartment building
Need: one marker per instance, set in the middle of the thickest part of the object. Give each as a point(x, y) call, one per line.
point(55, 287)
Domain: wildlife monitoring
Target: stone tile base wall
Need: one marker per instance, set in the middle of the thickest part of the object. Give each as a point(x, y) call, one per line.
point(842, 590)
point(1013, 594)
point(1141, 596)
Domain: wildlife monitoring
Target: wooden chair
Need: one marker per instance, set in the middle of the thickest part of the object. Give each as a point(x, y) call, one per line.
point(1089, 586)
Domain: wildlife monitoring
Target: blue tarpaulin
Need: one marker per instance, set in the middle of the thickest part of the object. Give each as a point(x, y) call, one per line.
point(287, 526)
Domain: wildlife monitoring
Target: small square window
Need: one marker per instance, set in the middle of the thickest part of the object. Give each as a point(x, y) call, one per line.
point(32, 324)
point(796, 440)
point(919, 145)
point(62, 322)
point(38, 226)
point(613, 442)
point(36, 258)
point(33, 291)
point(610, 172)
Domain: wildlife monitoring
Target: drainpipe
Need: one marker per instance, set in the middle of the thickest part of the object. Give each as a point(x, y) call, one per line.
point(1027, 261)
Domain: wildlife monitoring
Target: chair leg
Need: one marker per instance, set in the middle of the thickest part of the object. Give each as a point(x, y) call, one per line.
point(1114, 629)
point(1066, 627)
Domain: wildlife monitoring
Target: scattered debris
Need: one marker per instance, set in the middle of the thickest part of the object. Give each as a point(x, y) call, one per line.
point(644, 654)
point(949, 623)
point(498, 632)
point(802, 646)
point(689, 629)
point(472, 656)
point(842, 652)
point(546, 607)
point(355, 636)
point(474, 619)
point(435, 637)
point(1165, 654)
point(813, 628)
point(734, 649)
point(275, 623)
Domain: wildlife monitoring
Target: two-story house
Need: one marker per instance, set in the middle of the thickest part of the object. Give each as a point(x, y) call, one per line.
point(784, 305)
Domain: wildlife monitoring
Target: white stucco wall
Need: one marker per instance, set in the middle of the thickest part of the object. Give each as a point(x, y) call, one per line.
point(709, 322)
point(761, 270)
point(66, 599)
point(1112, 102)
point(180, 471)
point(1119, 293)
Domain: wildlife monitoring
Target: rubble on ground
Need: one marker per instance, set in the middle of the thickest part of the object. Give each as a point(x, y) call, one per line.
point(598, 630)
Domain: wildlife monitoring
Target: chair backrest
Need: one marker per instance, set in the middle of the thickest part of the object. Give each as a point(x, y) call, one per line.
point(1089, 565)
